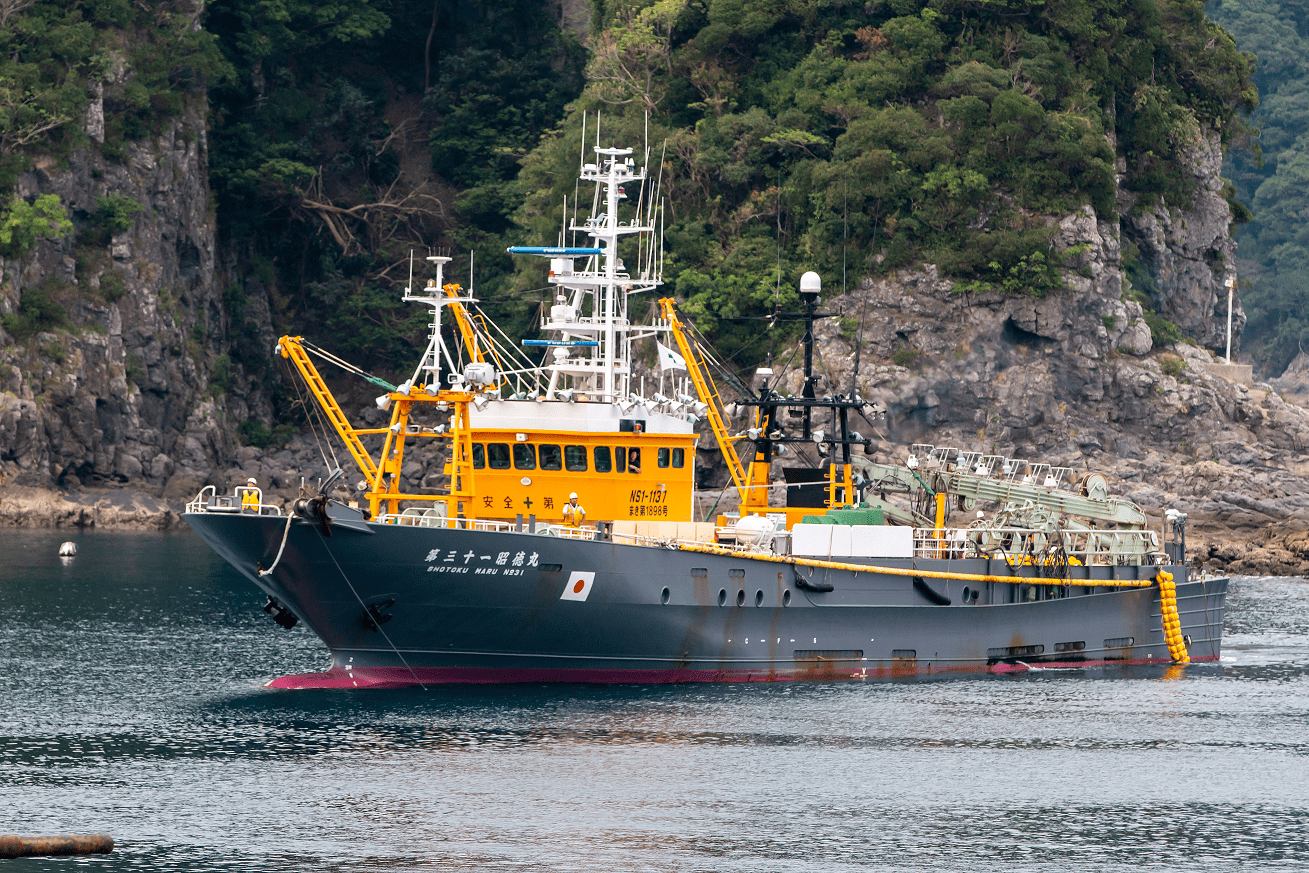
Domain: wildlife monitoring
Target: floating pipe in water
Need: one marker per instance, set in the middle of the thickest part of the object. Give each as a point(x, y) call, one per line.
point(12, 846)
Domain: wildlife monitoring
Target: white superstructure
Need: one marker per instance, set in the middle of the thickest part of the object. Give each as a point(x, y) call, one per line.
point(591, 349)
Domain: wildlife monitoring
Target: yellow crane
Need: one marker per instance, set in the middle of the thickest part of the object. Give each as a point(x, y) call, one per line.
point(751, 483)
point(383, 478)
point(467, 331)
point(292, 348)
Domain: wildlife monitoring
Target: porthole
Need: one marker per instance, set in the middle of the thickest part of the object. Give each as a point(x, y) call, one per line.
point(967, 595)
point(740, 597)
point(722, 596)
point(786, 597)
point(758, 598)
point(664, 595)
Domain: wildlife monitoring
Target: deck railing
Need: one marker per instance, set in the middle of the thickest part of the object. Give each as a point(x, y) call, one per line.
point(413, 517)
point(1024, 545)
point(208, 500)
point(410, 518)
point(1017, 545)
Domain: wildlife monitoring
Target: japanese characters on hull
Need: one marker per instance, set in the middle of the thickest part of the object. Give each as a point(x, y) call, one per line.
point(508, 563)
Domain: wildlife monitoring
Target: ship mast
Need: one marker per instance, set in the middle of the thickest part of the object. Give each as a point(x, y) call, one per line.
point(434, 297)
point(590, 312)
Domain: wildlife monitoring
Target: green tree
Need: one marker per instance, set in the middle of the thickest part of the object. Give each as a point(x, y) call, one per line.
point(114, 212)
point(146, 59)
point(24, 224)
point(788, 135)
point(1273, 247)
point(309, 137)
point(809, 135)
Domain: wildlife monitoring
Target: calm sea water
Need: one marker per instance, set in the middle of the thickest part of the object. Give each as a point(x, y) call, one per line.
point(133, 706)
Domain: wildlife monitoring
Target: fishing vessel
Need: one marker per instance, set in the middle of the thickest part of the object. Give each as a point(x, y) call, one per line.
point(565, 545)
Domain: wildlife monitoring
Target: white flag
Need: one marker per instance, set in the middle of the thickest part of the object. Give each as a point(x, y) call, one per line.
point(579, 586)
point(669, 359)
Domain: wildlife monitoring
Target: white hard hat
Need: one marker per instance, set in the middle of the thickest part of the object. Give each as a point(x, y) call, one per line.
point(250, 481)
point(572, 496)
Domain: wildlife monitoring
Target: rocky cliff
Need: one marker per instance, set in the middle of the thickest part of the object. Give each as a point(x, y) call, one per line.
point(129, 385)
point(1074, 379)
point(136, 391)
point(1189, 254)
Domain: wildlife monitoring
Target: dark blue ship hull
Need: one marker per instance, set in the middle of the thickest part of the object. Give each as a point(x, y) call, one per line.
point(403, 605)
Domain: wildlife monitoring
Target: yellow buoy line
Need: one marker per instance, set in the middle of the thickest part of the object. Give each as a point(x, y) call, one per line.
point(898, 571)
point(1172, 621)
point(1167, 588)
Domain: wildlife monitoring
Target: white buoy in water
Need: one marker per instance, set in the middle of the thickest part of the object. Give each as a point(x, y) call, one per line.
point(68, 550)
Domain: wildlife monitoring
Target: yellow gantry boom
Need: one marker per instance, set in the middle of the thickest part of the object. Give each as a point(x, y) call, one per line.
point(383, 477)
point(291, 348)
point(704, 385)
point(466, 329)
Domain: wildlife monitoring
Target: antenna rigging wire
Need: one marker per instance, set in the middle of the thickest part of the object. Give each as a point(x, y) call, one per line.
point(863, 310)
point(312, 415)
point(777, 294)
point(577, 180)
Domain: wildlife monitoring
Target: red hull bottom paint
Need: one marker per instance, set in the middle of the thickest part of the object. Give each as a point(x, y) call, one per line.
point(399, 677)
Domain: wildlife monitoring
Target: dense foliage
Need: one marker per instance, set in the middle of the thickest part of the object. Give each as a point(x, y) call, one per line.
point(324, 141)
point(1274, 246)
point(144, 61)
point(146, 58)
point(23, 224)
point(896, 131)
point(790, 135)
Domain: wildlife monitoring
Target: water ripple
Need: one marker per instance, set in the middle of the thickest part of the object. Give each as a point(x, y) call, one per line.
point(135, 708)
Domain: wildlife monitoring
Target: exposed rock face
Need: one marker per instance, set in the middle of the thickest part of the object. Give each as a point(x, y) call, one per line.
point(1071, 379)
point(1190, 253)
point(1293, 384)
point(122, 393)
point(136, 390)
point(575, 17)
point(119, 508)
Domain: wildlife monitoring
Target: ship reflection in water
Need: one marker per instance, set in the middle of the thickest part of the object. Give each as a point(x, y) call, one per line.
point(133, 708)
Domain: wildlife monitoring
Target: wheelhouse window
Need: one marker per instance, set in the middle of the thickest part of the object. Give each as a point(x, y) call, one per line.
point(479, 456)
point(663, 456)
point(603, 463)
point(633, 460)
point(620, 459)
point(524, 456)
point(497, 456)
point(575, 459)
point(552, 458)
point(679, 458)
